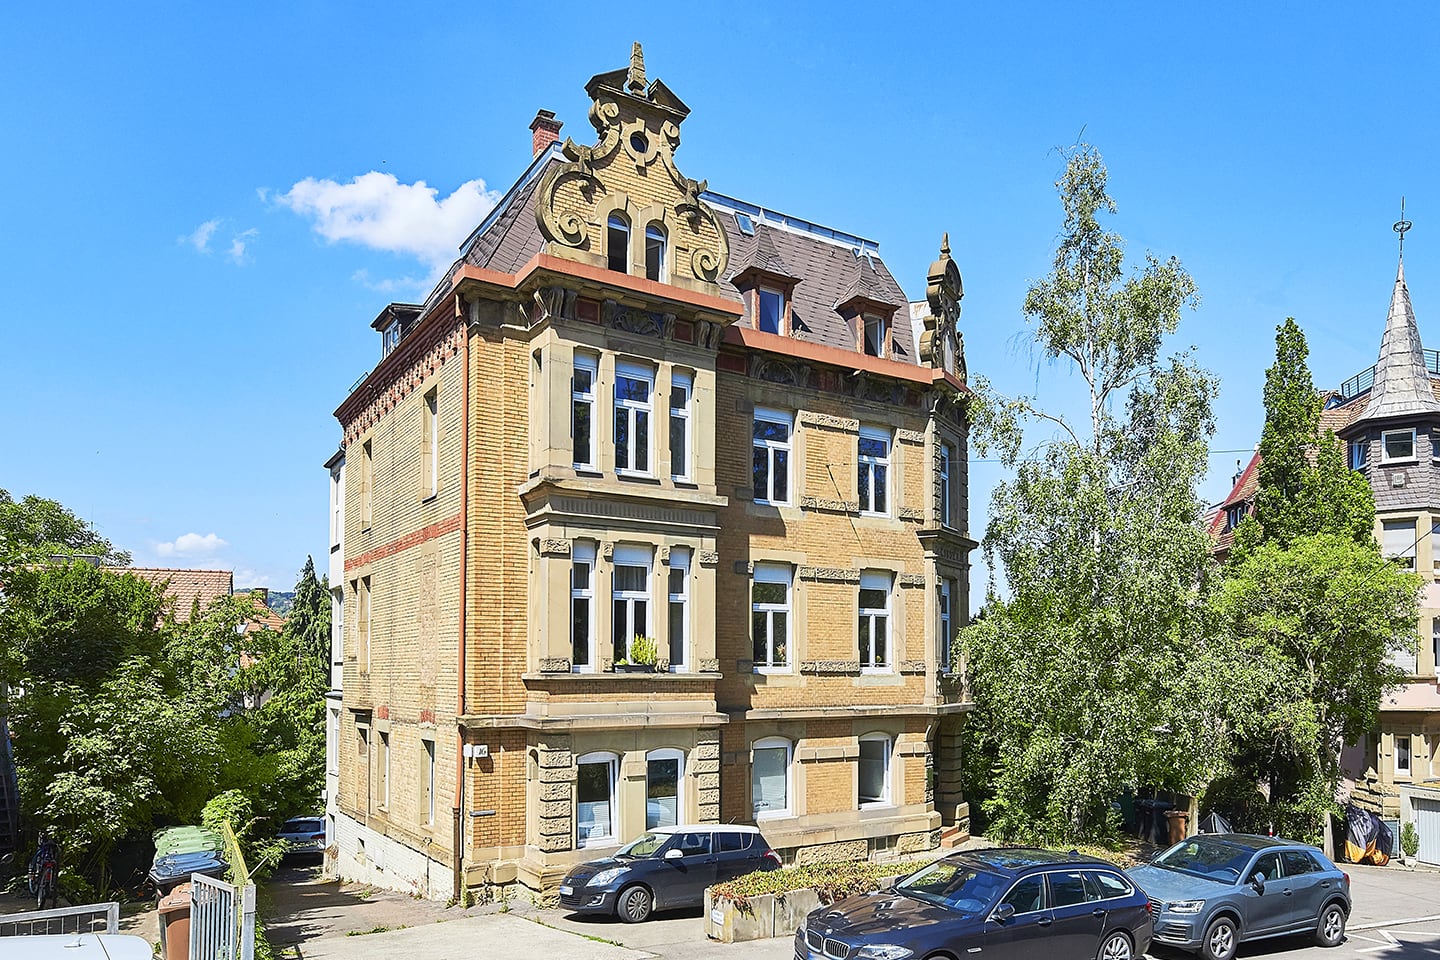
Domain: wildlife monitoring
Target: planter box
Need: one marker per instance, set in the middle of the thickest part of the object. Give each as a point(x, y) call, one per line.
point(634, 668)
point(769, 915)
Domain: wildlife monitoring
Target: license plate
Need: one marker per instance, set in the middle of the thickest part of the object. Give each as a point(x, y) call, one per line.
point(566, 891)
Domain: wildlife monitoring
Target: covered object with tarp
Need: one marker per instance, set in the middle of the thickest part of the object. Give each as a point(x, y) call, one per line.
point(1367, 838)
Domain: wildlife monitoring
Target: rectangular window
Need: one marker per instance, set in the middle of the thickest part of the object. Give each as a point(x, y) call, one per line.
point(633, 386)
point(1406, 659)
point(582, 607)
point(681, 387)
point(595, 799)
point(947, 492)
point(875, 331)
point(367, 479)
point(1397, 445)
point(337, 509)
point(382, 792)
point(1402, 754)
point(1359, 451)
point(947, 626)
point(770, 449)
point(631, 597)
point(772, 311)
point(770, 616)
point(390, 339)
point(430, 445)
point(770, 778)
point(873, 469)
point(582, 411)
point(363, 742)
point(1234, 514)
point(679, 619)
point(874, 772)
point(427, 783)
point(362, 619)
point(1435, 446)
point(1435, 643)
point(1398, 542)
point(662, 789)
point(875, 621)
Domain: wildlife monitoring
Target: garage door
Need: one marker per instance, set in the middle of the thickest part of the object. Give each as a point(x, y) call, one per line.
point(1427, 824)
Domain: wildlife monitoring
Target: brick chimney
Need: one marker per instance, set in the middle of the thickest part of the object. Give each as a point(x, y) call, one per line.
point(545, 129)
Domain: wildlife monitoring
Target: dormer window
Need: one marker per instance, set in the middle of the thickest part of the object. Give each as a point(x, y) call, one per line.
point(391, 338)
point(1233, 515)
point(771, 316)
point(876, 329)
point(1398, 445)
point(617, 243)
point(655, 252)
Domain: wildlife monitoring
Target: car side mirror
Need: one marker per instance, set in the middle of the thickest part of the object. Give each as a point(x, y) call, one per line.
point(1258, 881)
point(1003, 912)
point(673, 854)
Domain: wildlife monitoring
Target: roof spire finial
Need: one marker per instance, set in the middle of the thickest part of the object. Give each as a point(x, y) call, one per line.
point(1400, 227)
point(635, 83)
point(945, 244)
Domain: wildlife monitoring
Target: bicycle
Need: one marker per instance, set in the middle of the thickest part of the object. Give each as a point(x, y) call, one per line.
point(45, 873)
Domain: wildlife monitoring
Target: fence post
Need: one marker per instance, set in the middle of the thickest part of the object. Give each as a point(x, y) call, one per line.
point(247, 921)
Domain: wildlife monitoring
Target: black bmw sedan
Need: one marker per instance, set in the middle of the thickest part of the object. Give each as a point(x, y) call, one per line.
point(1006, 904)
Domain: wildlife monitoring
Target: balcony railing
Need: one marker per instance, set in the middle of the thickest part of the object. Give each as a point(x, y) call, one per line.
point(1365, 379)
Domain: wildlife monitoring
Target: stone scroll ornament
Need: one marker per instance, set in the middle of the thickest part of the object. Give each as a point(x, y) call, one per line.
point(638, 122)
point(941, 345)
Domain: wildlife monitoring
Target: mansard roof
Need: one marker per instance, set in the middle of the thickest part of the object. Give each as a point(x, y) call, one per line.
point(1402, 384)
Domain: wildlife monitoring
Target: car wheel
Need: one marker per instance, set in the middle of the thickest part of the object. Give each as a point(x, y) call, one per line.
point(1331, 928)
point(1221, 939)
point(1116, 947)
point(634, 904)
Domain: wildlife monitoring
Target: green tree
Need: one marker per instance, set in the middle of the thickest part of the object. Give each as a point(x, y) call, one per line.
point(35, 528)
point(1080, 674)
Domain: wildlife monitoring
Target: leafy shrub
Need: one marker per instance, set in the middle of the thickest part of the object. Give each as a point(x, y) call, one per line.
point(832, 881)
point(1409, 839)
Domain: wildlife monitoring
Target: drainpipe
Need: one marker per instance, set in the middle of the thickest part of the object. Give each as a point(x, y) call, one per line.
point(458, 854)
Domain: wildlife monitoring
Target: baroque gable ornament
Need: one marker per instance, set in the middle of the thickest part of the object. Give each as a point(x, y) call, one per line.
point(638, 130)
point(942, 345)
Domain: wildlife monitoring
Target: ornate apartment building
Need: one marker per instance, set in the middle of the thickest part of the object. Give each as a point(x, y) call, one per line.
point(1389, 417)
point(654, 512)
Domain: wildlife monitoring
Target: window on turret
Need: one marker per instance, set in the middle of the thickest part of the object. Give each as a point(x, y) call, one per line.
point(1359, 453)
point(1398, 445)
point(875, 336)
point(617, 243)
point(1398, 542)
point(655, 252)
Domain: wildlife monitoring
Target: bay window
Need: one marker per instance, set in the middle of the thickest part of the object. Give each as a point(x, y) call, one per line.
point(682, 387)
point(947, 625)
point(582, 607)
point(679, 619)
point(582, 411)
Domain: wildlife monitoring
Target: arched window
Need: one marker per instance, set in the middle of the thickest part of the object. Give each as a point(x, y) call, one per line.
point(617, 243)
point(595, 818)
point(664, 777)
point(770, 777)
point(654, 252)
point(873, 779)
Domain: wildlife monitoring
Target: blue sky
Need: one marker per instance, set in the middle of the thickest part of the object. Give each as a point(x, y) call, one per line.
point(208, 204)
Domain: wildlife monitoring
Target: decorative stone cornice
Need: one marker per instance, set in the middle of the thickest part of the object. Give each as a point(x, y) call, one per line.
point(554, 547)
point(830, 574)
point(825, 421)
point(831, 506)
point(709, 558)
point(912, 513)
point(830, 667)
point(912, 666)
point(911, 580)
point(916, 437)
point(405, 382)
point(555, 665)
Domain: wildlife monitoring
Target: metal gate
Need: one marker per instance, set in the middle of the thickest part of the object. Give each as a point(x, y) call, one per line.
point(1427, 825)
point(222, 920)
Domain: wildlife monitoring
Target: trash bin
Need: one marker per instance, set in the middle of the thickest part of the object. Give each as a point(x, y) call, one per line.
point(1145, 820)
point(1161, 833)
point(1179, 822)
point(174, 909)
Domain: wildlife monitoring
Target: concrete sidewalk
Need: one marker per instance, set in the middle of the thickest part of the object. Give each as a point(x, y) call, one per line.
point(1381, 896)
point(496, 935)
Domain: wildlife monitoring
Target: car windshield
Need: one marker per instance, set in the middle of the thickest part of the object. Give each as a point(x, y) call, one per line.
point(1206, 857)
point(301, 826)
point(643, 846)
point(953, 884)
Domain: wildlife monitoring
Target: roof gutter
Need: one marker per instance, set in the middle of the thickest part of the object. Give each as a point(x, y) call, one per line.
point(458, 844)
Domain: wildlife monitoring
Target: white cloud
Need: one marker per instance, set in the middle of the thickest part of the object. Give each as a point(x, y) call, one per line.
point(191, 545)
point(251, 578)
point(239, 242)
point(378, 211)
point(200, 238)
point(405, 284)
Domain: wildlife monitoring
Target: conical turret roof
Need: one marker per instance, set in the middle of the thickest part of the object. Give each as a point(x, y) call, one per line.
point(1402, 384)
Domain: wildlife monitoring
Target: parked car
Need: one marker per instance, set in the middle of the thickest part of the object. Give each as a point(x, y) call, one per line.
point(1007, 904)
point(82, 946)
point(1211, 893)
point(665, 868)
point(303, 834)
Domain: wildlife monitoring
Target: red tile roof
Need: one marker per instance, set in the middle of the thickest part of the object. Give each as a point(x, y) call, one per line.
point(187, 586)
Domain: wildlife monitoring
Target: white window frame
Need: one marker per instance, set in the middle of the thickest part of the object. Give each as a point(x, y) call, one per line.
point(367, 483)
point(431, 439)
point(680, 416)
point(428, 747)
point(612, 763)
point(632, 555)
point(610, 251)
point(364, 619)
point(585, 398)
point(390, 339)
point(1405, 553)
point(887, 799)
point(337, 509)
point(384, 798)
point(882, 330)
point(873, 466)
point(1235, 514)
point(582, 553)
point(947, 494)
point(773, 743)
point(772, 448)
point(774, 573)
point(679, 563)
point(633, 411)
point(657, 228)
point(882, 580)
point(945, 597)
point(779, 295)
point(667, 753)
point(1406, 769)
point(1385, 447)
point(1359, 454)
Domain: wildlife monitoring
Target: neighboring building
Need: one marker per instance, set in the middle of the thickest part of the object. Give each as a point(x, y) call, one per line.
point(1389, 418)
point(639, 411)
point(333, 697)
point(190, 589)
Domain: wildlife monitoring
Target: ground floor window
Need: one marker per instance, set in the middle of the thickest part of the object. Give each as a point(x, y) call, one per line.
point(663, 772)
point(770, 777)
point(874, 773)
point(595, 798)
